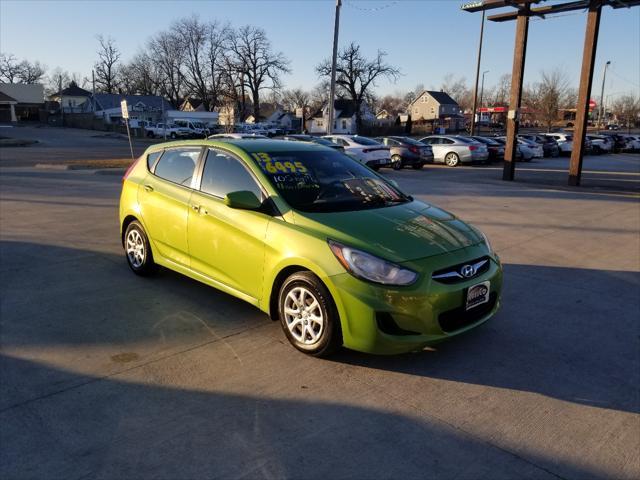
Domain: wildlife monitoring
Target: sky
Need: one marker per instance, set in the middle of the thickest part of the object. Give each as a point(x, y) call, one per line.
point(426, 39)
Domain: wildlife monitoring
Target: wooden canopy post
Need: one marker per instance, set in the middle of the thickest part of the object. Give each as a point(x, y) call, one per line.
point(517, 75)
point(586, 80)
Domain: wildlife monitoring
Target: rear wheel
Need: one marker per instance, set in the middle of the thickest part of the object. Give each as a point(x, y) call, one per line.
point(396, 160)
point(308, 315)
point(451, 159)
point(138, 250)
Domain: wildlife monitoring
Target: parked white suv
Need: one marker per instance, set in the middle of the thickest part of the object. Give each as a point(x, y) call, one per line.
point(565, 142)
point(366, 150)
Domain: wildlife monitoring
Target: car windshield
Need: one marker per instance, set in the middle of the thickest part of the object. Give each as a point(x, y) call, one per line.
point(364, 141)
point(326, 181)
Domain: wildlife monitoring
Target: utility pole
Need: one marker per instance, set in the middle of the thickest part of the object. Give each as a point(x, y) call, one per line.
point(481, 95)
point(93, 92)
point(332, 91)
point(602, 112)
point(475, 90)
point(61, 104)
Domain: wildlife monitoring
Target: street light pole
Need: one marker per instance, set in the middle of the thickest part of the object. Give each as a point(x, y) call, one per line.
point(332, 91)
point(604, 76)
point(475, 90)
point(481, 95)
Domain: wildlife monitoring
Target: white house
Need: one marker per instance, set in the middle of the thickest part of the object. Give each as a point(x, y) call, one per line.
point(344, 118)
point(72, 98)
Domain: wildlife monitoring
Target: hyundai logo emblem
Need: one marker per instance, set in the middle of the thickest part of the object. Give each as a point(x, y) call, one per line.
point(468, 271)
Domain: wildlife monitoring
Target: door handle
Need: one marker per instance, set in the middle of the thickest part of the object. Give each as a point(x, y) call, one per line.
point(196, 207)
point(148, 188)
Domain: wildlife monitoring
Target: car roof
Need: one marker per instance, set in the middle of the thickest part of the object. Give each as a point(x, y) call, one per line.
point(248, 145)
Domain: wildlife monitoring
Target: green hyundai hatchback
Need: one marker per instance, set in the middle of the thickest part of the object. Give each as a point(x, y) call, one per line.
point(331, 249)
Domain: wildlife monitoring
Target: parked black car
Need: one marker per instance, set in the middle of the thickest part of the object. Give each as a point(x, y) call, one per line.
point(549, 145)
point(496, 149)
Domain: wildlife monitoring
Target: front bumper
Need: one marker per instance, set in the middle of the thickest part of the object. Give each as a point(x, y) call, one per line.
point(390, 320)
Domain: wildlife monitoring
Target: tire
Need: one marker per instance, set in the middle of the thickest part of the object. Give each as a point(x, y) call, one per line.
point(173, 135)
point(451, 159)
point(417, 166)
point(150, 134)
point(316, 331)
point(138, 251)
point(396, 161)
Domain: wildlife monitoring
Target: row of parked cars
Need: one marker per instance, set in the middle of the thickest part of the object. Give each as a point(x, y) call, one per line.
point(399, 151)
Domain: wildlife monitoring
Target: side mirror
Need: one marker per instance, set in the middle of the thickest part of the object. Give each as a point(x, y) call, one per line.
point(242, 200)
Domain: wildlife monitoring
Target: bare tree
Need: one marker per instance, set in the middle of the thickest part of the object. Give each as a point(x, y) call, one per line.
point(140, 75)
point(9, 68)
point(203, 45)
point(458, 90)
point(547, 96)
point(259, 66)
point(167, 53)
point(502, 90)
point(31, 72)
point(58, 78)
point(356, 75)
point(106, 68)
point(298, 99)
point(626, 108)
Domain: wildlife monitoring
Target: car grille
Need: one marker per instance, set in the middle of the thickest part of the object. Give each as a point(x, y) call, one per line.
point(458, 318)
point(455, 273)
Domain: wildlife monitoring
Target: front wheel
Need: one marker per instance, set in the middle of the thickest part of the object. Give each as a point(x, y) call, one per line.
point(138, 250)
point(396, 160)
point(308, 315)
point(452, 159)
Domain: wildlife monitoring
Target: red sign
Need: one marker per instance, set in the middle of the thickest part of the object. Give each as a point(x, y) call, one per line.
point(592, 104)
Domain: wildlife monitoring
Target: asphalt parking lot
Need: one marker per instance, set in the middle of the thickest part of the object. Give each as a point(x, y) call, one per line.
point(108, 375)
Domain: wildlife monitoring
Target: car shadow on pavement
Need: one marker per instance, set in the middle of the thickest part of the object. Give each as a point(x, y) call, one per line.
point(567, 333)
point(115, 428)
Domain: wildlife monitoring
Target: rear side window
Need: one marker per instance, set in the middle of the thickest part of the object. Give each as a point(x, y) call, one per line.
point(224, 174)
point(364, 141)
point(152, 158)
point(177, 165)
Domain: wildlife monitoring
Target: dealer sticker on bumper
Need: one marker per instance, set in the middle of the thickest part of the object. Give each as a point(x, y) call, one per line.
point(477, 295)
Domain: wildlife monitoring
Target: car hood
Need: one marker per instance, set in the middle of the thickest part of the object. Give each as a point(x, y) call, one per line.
point(399, 233)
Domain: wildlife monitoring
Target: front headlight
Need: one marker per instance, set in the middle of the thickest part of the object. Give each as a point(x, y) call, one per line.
point(368, 267)
point(486, 241)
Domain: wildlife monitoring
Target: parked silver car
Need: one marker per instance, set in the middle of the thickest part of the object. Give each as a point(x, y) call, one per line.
point(406, 151)
point(453, 149)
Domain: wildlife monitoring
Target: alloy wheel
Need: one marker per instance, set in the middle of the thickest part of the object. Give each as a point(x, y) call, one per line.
point(303, 316)
point(135, 248)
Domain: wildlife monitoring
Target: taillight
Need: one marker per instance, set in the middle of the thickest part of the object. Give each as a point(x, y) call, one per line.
point(413, 149)
point(133, 164)
point(472, 147)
